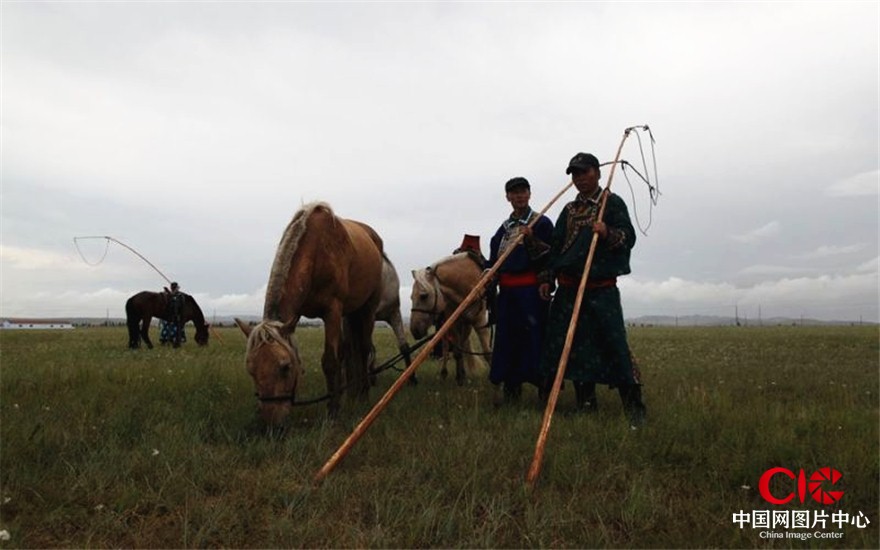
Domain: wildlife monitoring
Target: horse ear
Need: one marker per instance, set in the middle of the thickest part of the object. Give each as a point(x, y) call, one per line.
point(245, 328)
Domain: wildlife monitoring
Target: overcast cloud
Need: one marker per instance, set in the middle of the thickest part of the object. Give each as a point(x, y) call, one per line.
point(193, 131)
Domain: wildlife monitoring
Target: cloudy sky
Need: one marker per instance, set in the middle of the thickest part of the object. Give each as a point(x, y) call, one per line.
point(192, 131)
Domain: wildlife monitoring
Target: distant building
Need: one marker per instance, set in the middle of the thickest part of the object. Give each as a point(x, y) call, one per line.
point(34, 324)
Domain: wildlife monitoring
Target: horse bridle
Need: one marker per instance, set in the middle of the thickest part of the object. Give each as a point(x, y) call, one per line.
point(436, 294)
point(291, 398)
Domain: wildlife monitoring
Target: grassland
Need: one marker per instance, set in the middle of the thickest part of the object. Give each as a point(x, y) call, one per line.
point(105, 447)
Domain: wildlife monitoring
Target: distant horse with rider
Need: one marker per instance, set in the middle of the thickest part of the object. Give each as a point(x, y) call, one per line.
point(329, 268)
point(143, 306)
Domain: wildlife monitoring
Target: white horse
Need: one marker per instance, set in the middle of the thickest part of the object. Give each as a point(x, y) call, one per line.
point(437, 292)
point(389, 307)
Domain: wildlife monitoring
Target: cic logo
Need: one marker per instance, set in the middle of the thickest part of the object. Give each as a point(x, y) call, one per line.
point(818, 485)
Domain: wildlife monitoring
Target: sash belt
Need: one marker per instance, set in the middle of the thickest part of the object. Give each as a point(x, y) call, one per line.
point(509, 280)
point(568, 281)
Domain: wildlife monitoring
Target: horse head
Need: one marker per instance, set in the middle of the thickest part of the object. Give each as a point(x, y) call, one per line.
point(272, 359)
point(428, 303)
point(202, 334)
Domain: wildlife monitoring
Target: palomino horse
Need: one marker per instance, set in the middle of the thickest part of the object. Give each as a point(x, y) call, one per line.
point(437, 292)
point(143, 306)
point(325, 267)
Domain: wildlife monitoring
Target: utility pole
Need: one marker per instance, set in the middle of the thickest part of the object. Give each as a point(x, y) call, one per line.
point(760, 319)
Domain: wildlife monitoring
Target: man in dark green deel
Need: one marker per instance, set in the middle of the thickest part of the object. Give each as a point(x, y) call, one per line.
point(600, 353)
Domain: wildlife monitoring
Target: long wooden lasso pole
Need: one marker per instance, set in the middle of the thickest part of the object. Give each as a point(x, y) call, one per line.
point(537, 460)
point(361, 428)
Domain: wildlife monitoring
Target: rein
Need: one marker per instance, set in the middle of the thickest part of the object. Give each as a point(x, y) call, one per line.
point(384, 366)
point(466, 352)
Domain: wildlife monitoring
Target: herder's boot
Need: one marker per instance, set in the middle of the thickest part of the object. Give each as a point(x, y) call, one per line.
point(585, 397)
point(631, 395)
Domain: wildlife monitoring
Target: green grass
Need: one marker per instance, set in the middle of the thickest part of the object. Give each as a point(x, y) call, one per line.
point(105, 447)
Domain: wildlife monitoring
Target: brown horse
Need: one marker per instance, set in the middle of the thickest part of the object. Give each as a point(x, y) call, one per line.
point(325, 267)
point(143, 306)
point(437, 292)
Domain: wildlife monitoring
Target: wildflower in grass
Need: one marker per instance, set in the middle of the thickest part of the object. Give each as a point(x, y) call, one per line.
point(744, 487)
point(6, 500)
point(4, 535)
point(155, 452)
point(99, 507)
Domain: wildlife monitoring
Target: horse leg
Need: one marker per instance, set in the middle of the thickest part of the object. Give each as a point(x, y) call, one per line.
point(134, 338)
point(396, 322)
point(359, 335)
point(444, 349)
point(484, 336)
point(461, 335)
point(330, 361)
point(145, 331)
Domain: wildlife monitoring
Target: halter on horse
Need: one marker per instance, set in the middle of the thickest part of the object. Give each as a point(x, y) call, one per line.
point(329, 268)
point(435, 297)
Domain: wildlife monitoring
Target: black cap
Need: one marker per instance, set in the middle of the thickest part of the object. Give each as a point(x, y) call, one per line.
point(514, 183)
point(582, 161)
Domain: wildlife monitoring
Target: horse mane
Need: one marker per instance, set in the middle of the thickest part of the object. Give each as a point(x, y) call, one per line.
point(286, 249)
point(421, 276)
point(268, 331)
point(198, 316)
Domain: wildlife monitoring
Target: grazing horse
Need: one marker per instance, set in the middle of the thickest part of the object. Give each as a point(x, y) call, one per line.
point(143, 306)
point(437, 292)
point(325, 267)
